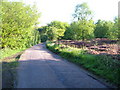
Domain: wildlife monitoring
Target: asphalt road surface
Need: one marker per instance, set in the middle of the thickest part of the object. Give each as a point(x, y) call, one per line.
point(40, 68)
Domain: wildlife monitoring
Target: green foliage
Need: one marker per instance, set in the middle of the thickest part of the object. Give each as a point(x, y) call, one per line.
point(52, 47)
point(69, 34)
point(82, 29)
point(18, 21)
point(36, 37)
point(82, 12)
point(114, 32)
point(43, 30)
point(102, 29)
point(54, 30)
point(52, 33)
point(43, 33)
point(101, 65)
point(72, 31)
point(57, 29)
point(106, 29)
point(58, 24)
point(44, 38)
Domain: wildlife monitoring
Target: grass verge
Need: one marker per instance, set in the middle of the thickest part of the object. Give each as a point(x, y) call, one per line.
point(101, 65)
point(9, 65)
point(7, 52)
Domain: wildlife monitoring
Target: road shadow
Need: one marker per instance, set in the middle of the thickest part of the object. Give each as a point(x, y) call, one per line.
point(46, 74)
point(9, 71)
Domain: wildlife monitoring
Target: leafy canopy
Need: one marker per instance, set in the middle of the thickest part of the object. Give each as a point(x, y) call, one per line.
point(18, 21)
point(83, 27)
point(82, 12)
point(56, 30)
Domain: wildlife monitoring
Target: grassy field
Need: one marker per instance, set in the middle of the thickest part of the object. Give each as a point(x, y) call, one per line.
point(101, 65)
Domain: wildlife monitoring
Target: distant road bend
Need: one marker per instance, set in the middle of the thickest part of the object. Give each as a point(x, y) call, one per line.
point(40, 68)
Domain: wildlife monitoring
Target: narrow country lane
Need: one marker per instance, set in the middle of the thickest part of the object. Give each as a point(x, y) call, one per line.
point(40, 68)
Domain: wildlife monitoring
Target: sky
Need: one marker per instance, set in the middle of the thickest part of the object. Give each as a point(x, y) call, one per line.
point(62, 10)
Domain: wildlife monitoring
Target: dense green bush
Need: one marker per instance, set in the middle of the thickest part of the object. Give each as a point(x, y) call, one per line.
point(80, 30)
point(36, 37)
point(107, 29)
point(18, 25)
point(44, 38)
point(54, 30)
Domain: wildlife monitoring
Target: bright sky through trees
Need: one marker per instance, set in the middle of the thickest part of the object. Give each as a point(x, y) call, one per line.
point(62, 10)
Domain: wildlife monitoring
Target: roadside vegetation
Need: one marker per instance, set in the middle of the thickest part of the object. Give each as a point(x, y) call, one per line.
point(19, 31)
point(18, 27)
point(94, 46)
point(9, 52)
point(101, 65)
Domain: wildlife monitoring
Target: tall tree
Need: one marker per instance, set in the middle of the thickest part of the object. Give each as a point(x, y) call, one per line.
point(82, 12)
point(78, 30)
point(18, 21)
point(84, 23)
